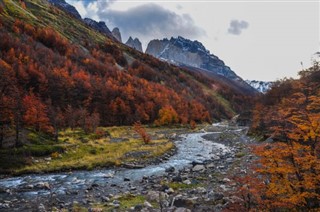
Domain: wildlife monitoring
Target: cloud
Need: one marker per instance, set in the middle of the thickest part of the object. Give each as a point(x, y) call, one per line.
point(149, 21)
point(237, 26)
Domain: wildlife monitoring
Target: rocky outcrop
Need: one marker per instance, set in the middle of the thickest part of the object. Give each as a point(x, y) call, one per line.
point(134, 43)
point(260, 86)
point(66, 7)
point(116, 33)
point(99, 26)
point(181, 51)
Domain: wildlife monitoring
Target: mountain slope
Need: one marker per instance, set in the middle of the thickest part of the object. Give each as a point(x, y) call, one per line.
point(193, 54)
point(60, 63)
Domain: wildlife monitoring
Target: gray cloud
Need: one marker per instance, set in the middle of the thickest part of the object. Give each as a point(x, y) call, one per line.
point(150, 21)
point(237, 26)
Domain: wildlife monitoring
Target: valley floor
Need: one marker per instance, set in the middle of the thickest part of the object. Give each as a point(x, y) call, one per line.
point(198, 177)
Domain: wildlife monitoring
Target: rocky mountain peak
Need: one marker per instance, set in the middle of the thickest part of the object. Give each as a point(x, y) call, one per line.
point(134, 43)
point(116, 33)
point(183, 51)
point(66, 7)
point(99, 26)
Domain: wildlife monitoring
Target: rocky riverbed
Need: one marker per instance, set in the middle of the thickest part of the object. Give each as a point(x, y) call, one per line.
point(196, 176)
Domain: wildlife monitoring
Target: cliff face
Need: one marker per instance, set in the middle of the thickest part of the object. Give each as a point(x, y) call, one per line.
point(182, 51)
point(116, 33)
point(66, 7)
point(99, 26)
point(134, 43)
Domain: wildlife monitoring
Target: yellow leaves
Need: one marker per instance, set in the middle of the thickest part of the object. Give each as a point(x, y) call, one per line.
point(167, 115)
point(293, 174)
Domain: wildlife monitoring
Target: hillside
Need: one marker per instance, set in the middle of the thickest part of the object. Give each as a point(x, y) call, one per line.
point(288, 117)
point(57, 72)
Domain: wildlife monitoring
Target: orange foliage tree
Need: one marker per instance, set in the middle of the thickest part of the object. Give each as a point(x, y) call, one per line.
point(35, 114)
point(290, 167)
point(167, 115)
point(142, 132)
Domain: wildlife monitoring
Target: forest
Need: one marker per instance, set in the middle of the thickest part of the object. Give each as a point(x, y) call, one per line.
point(49, 83)
point(286, 175)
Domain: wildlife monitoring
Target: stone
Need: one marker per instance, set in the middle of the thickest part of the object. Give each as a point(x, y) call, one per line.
point(126, 179)
point(109, 175)
point(198, 168)
point(147, 204)
point(29, 186)
point(216, 196)
point(43, 185)
point(201, 190)
point(138, 207)
point(182, 210)
point(177, 179)
point(156, 196)
point(210, 165)
point(183, 202)
point(224, 188)
point(170, 169)
point(48, 159)
point(226, 180)
point(187, 182)
point(169, 191)
point(41, 208)
point(105, 199)
point(4, 205)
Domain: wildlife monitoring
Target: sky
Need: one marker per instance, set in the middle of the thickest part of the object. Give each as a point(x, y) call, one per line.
point(259, 39)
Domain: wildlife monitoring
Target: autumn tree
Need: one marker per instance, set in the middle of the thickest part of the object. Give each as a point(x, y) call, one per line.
point(35, 113)
point(290, 166)
point(167, 115)
point(137, 127)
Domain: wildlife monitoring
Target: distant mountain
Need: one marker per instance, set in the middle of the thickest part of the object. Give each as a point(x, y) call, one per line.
point(99, 26)
point(134, 43)
point(66, 7)
point(260, 86)
point(116, 33)
point(192, 54)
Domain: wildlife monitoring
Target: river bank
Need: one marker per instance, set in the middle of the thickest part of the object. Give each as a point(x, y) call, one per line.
point(198, 177)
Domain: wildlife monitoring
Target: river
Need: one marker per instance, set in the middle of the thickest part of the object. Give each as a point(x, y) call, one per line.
point(25, 192)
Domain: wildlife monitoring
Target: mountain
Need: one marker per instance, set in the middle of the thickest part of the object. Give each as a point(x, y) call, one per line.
point(193, 55)
point(134, 43)
point(99, 26)
point(66, 7)
point(260, 86)
point(58, 68)
point(116, 33)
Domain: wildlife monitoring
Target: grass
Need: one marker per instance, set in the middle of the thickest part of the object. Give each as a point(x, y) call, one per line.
point(78, 150)
point(126, 202)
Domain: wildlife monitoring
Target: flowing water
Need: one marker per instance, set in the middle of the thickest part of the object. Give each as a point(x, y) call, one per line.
point(18, 192)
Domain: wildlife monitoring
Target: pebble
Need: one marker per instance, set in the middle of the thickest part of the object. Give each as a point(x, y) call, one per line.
point(198, 168)
point(169, 191)
point(187, 182)
point(147, 204)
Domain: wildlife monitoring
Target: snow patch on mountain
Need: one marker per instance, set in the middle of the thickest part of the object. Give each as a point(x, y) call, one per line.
point(260, 86)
